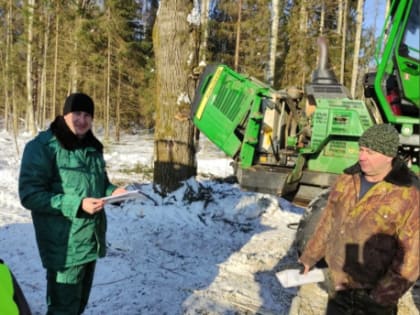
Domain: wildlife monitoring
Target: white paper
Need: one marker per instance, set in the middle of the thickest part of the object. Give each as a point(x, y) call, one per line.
point(293, 277)
point(122, 197)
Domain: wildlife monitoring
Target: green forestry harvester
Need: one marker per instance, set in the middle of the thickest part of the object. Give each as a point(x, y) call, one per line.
point(294, 143)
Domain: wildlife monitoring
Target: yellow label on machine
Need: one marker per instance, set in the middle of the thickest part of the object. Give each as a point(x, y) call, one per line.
point(208, 92)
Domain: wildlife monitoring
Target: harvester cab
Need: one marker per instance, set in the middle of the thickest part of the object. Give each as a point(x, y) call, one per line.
point(394, 88)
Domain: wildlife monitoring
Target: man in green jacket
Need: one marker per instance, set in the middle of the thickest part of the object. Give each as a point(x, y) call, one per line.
point(62, 180)
point(369, 230)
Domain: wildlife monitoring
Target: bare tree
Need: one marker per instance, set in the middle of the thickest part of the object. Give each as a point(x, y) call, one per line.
point(343, 40)
point(238, 35)
point(355, 72)
point(204, 14)
point(322, 19)
point(303, 29)
point(273, 42)
point(54, 83)
point(108, 77)
point(30, 110)
point(340, 15)
point(7, 62)
point(43, 86)
point(175, 51)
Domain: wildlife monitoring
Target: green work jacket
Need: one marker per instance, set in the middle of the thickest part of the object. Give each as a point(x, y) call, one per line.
point(53, 181)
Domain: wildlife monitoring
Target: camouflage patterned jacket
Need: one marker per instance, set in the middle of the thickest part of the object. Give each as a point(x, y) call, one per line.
point(372, 242)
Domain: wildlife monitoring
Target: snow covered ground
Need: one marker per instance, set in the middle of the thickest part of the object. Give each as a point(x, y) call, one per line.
point(208, 248)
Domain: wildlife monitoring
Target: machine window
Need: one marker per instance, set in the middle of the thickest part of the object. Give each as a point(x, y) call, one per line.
point(411, 42)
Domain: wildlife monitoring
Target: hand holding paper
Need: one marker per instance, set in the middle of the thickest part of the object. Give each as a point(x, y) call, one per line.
point(122, 197)
point(293, 277)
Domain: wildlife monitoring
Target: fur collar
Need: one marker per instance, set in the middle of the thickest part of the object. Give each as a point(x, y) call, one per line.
point(69, 140)
point(399, 175)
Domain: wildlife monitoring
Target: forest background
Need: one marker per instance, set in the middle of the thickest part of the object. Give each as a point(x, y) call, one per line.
point(140, 60)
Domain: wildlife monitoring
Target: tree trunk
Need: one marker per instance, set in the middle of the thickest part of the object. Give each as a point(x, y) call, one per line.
point(108, 79)
point(343, 41)
point(74, 79)
point(54, 83)
point(387, 7)
point(355, 72)
point(174, 151)
point(15, 117)
point(6, 71)
point(29, 83)
point(204, 14)
point(118, 106)
point(303, 27)
point(43, 92)
point(238, 35)
point(340, 15)
point(273, 42)
point(322, 19)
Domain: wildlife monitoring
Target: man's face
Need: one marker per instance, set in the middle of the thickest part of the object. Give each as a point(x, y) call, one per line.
point(373, 163)
point(79, 122)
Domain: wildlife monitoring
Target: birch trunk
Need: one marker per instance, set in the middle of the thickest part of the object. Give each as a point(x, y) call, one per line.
point(30, 108)
point(340, 15)
point(273, 42)
point(108, 79)
point(118, 106)
point(343, 42)
point(322, 19)
point(238, 35)
point(6, 70)
point(43, 92)
point(54, 83)
point(303, 26)
point(204, 14)
point(355, 72)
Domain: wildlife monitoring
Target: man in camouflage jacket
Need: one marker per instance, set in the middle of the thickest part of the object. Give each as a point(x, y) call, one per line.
point(369, 231)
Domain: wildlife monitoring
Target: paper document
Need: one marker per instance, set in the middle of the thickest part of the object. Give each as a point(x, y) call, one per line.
point(293, 277)
point(122, 197)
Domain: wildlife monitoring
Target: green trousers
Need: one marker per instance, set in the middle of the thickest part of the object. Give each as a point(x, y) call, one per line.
point(68, 290)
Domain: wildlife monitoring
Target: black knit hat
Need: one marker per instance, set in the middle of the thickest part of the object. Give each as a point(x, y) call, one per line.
point(382, 138)
point(79, 102)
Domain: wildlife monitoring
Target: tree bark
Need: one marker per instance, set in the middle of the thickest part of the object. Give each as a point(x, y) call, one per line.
point(343, 41)
point(118, 106)
point(6, 71)
point(108, 78)
point(54, 83)
point(174, 152)
point(204, 14)
point(355, 72)
point(273, 42)
point(340, 15)
point(43, 87)
point(322, 19)
point(238, 35)
point(30, 110)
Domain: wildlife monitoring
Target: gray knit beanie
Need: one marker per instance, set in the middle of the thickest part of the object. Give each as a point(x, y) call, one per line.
point(381, 138)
